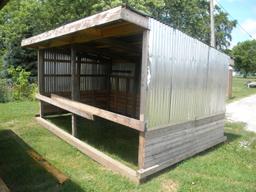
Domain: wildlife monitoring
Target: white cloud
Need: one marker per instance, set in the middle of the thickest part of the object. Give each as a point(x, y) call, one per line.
point(250, 26)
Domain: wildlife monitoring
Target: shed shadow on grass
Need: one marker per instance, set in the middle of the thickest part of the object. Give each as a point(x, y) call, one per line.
point(21, 172)
point(230, 138)
point(116, 140)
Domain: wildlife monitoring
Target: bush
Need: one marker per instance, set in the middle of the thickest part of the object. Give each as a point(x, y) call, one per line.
point(5, 91)
point(21, 88)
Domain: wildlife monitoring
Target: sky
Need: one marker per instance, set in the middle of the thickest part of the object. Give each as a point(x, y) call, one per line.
point(244, 11)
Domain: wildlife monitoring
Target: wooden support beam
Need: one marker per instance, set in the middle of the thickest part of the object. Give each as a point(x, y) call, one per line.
point(117, 118)
point(71, 109)
point(143, 90)
point(74, 29)
point(75, 86)
point(144, 173)
point(88, 111)
point(125, 46)
point(90, 151)
point(40, 75)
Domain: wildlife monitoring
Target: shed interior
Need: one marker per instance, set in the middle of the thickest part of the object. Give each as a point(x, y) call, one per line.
point(109, 73)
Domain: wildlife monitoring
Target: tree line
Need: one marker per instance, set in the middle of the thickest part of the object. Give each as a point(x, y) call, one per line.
point(24, 18)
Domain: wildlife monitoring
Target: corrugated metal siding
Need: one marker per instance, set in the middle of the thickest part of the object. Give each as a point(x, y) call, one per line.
point(58, 72)
point(186, 78)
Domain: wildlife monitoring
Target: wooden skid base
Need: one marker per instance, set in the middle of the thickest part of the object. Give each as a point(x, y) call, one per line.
point(144, 173)
point(90, 151)
point(105, 160)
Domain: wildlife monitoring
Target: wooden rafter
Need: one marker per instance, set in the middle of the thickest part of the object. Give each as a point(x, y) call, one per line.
point(89, 28)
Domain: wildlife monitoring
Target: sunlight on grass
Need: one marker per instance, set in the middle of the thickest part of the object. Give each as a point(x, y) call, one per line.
point(228, 166)
point(240, 88)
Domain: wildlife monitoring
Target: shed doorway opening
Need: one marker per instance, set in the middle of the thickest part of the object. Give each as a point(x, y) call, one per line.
point(108, 78)
point(109, 74)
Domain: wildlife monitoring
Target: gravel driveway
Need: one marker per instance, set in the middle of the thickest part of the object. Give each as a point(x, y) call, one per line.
point(243, 110)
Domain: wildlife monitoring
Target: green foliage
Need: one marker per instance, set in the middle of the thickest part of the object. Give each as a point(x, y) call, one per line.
point(23, 18)
point(245, 57)
point(5, 91)
point(192, 17)
point(21, 88)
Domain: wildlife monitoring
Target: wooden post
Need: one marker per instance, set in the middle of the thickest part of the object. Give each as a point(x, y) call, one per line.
point(40, 74)
point(75, 86)
point(143, 89)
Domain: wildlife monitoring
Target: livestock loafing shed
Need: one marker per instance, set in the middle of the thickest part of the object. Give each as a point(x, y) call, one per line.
point(133, 70)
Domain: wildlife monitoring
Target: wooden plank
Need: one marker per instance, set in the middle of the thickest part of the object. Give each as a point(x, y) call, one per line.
point(120, 119)
point(143, 89)
point(143, 173)
point(81, 113)
point(41, 82)
point(141, 152)
point(143, 79)
point(133, 17)
point(167, 129)
point(82, 24)
point(182, 147)
point(90, 151)
point(103, 18)
point(177, 131)
point(94, 34)
point(3, 186)
point(75, 87)
point(46, 165)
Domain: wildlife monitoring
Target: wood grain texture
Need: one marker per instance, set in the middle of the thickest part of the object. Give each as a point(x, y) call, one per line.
point(143, 173)
point(164, 144)
point(87, 24)
point(90, 151)
point(88, 111)
point(41, 83)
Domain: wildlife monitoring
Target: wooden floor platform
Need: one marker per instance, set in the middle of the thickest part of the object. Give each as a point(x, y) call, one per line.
point(90, 151)
point(135, 175)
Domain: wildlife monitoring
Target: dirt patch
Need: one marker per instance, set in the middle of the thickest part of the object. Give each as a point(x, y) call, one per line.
point(169, 186)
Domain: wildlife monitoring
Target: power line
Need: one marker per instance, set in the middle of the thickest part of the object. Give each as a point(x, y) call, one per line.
point(236, 20)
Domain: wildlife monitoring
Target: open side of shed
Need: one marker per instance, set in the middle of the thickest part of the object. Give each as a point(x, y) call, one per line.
point(127, 68)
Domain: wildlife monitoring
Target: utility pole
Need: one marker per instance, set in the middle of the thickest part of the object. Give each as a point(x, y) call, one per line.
point(213, 43)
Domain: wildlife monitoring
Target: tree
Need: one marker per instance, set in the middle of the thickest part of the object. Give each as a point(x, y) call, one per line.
point(20, 19)
point(245, 57)
point(192, 17)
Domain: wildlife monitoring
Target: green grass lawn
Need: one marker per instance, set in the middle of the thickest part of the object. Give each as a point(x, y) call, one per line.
point(240, 89)
point(227, 167)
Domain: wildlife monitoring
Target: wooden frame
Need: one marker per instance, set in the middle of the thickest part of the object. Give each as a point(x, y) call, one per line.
point(88, 111)
point(143, 90)
point(90, 151)
point(113, 15)
point(158, 148)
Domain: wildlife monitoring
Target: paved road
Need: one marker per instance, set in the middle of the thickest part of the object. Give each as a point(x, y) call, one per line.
point(243, 110)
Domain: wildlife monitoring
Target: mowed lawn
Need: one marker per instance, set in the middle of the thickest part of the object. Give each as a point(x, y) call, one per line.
point(240, 88)
point(230, 166)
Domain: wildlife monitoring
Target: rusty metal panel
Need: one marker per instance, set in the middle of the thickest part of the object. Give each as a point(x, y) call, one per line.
point(186, 78)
